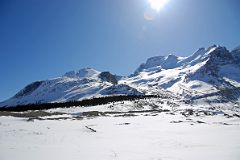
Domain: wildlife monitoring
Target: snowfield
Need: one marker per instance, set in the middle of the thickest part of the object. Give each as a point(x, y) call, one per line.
point(166, 133)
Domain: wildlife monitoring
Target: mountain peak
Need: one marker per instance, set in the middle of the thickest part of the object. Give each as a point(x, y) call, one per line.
point(165, 62)
point(84, 72)
point(172, 61)
point(219, 51)
point(211, 48)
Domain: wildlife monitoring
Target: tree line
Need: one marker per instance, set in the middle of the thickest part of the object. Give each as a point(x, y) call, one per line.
point(86, 102)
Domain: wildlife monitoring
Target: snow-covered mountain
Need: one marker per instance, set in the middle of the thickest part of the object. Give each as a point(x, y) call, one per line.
point(74, 85)
point(210, 75)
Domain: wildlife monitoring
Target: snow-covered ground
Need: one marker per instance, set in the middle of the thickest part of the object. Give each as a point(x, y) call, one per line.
point(177, 134)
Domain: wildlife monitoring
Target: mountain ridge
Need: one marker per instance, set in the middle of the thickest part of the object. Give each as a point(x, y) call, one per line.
point(208, 71)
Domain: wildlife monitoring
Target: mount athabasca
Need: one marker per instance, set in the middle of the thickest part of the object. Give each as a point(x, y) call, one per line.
point(210, 76)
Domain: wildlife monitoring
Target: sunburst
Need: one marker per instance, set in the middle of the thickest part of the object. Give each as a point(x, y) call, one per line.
point(158, 4)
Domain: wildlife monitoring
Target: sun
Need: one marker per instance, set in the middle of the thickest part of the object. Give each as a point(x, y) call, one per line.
point(158, 4)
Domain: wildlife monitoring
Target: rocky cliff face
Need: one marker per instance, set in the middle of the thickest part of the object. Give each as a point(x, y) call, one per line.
point(108, 77)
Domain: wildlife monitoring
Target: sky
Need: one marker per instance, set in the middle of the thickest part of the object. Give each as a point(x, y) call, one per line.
point(41, 39)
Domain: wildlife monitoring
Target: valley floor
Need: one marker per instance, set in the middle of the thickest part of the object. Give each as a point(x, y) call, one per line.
point(142, 136)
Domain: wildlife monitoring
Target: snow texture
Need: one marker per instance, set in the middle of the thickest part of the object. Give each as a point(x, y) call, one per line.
point(142, 136)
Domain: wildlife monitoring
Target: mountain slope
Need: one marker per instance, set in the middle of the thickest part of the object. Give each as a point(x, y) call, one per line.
point(212, 73)
point(85, 83)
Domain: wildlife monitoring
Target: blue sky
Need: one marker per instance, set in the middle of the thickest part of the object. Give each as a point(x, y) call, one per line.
point(40, 39)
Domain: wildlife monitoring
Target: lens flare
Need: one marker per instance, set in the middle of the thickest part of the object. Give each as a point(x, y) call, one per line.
point(157, 4)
